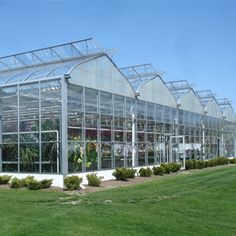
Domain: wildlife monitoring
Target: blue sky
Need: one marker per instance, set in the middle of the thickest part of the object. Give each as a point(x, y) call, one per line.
point(192, 40)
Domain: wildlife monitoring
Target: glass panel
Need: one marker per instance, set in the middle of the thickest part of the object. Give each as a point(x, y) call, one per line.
point(75, 157)
point(91, 100)
point(141, 110)
point(75, 113)
point(91, 127)
point(29, 157)
point(50, 105)
point(128, 155)
point(141, 154)
point(9, 109)
point(29, 107)
point(10, 153)
point(50, 157)
point(91, 156)
point(106, 127)
point(119, 104)
point(150, 153)
point(106, 156)
point(119, 154)
point(119, 128)
point(105, 103)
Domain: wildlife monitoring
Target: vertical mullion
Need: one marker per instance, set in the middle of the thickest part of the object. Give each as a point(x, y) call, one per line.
point(18, 126)
point(40, 136)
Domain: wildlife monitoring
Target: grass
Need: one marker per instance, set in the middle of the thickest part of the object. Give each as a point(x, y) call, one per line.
point(196, 203)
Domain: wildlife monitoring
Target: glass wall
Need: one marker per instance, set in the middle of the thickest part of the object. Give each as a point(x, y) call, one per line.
point(30, 125)
point(104, 130)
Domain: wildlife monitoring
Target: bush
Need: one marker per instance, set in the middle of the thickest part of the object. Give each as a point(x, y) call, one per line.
point(158, 170)
point(232, 161)
point(189, 165)
point(131, 173)
point(16, 183)
point(145, 172)
point(167, 168)
point(4, 179)
point(120, 174)
point(195, 164)
point(212, 163)
point(124, 173)
point(45, 183)
point(94, 180)
point(175, 167)
point(205, 164)
point(222, 161)
point(73, 182)
point(200, 164)
point(34, 185)
point(27, 180)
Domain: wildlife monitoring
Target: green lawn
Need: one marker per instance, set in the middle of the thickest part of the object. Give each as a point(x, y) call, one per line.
point(198, 203)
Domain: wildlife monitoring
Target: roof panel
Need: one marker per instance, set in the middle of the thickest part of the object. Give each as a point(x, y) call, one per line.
point(54, 54)
point(139, 74)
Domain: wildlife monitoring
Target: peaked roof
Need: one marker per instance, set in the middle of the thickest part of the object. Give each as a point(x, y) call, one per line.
point(138, 75)
point(48, 62)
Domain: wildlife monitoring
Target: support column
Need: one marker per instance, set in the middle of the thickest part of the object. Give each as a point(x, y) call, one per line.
point(0, 141)
point(133, 140)
point(64, 130)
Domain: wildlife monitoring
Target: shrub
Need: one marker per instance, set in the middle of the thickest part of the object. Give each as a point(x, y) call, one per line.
point(167, 168)
point(212, 163)
point(232, 161)
point(175, 167)
point(4, 179)
point(120, 174)
point(195, 163)
point(27, 180)
point(200, 164)
point(131, 173)
point(205, 164)
point(124, 173)
point(16, 183)
point(45, 183)
point(158, 170)
point(145, 172)
point(222, 161)
point(34, 185)
point(94, 180)
point(189, 165)
point(73, 182)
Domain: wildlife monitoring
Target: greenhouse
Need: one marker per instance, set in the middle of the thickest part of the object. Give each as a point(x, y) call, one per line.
point(69, 109)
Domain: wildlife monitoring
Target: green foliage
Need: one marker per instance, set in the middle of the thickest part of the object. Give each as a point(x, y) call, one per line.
point(131, 173)
point(45, 183)
point(167, 168)
point(34, 185)
point(16, 183)
point(27, 180)
point(211, 163)
point(159, 170)
point(73, 182)
point(222, 161)
point(124, 173)
point(189, 165)
point(232, 161)
point(175, 167)
point(94, 180)
point(200, 164)
point(145, 172)
point(91, 154)
point(4, 179)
